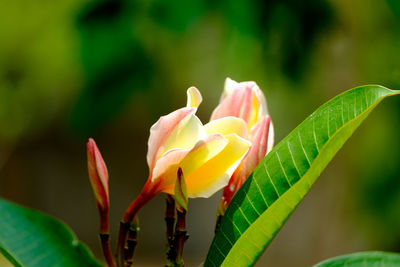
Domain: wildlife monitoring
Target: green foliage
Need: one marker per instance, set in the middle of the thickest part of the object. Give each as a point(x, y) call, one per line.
point(283, 178)
point(29, 238)
point(395, 7)
point(37, 64)
point(114, 62)
point(373, 258)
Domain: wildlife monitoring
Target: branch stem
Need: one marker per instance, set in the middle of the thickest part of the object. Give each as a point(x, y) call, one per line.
point(170, 216)
point(122, 237)
point(125, 224)
point(132, 242)
point(170, 224)
point(180, 237)
point(105, 245)
point(105, 235)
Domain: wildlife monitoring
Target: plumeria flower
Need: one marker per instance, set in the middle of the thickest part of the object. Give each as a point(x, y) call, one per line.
point(207, 154)
point(245, 100)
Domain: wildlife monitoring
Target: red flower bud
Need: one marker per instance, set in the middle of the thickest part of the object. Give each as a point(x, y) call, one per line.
point(98, 176)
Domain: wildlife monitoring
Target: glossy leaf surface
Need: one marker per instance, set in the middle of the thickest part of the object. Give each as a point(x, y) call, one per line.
point(286, 174)
point(360, 259)
point(30, 238)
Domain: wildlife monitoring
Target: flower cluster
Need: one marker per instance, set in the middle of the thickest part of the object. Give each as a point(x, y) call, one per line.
point(219, 154)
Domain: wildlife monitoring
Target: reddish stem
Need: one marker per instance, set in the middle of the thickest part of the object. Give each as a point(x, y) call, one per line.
point(104, 222)
point(105, 235)
point(105, 245)
point(145, 196)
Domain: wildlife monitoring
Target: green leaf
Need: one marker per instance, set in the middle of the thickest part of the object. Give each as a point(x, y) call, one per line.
point(278, 184)
point(370, 258)
point(29, 238)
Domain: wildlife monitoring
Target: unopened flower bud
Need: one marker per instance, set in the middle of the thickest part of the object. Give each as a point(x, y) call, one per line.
point(98, 176)
point(181, 198)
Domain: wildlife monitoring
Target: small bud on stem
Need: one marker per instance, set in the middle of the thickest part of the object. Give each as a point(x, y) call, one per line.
point(98, 176)
point(176, 239)
point(181, 198)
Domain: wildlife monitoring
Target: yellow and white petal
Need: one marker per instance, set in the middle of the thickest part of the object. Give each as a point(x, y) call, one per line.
point(193, 97)
point(227, 125)
point(167, 164)
point(214, 174)
point(187, 133)
point(201, 153)
point(161, 131)
point(229, 86)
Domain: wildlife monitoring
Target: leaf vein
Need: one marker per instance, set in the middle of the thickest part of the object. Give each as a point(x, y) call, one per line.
point(283, 170)
point(269, 177)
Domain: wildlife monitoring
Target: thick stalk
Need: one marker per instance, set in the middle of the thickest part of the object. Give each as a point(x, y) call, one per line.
point(170, 224)
point(105, 245)
point(180, 237)
point(132, 242)
point(125, 224)
point(122, 237)
point(170, 217)
point(105, 235)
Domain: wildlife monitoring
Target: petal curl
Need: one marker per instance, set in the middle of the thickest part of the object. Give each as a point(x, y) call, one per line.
point(243, 100)
point(185, 135)
point(167, 164)
point(191, 160)
point(230, 105)
point(229, 86)
point(215, 173)
point(193, 97)
point(227, 125)
point(168, 126)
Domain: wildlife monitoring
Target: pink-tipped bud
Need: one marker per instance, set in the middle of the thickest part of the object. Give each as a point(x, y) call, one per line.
point(98, 176)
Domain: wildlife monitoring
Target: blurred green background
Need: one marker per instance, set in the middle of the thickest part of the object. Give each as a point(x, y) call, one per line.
point(75, 69)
